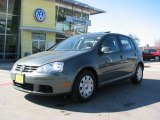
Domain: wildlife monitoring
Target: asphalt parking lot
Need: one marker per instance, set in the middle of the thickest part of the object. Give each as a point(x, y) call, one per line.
point(119, 101)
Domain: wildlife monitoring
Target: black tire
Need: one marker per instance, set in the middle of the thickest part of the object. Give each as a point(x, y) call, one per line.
point(136, 79)
point(77, 94)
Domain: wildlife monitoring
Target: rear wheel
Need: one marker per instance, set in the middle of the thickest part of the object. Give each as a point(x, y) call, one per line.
point(138, 76)
point(84, 86)
point(156, 58)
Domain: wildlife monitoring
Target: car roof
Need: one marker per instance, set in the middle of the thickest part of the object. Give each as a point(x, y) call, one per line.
point(105, 33)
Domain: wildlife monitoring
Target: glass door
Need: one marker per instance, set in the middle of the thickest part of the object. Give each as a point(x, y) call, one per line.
point(38, 42)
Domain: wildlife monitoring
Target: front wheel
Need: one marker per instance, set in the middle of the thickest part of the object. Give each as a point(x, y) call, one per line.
point(84, 86)
point(138, 76)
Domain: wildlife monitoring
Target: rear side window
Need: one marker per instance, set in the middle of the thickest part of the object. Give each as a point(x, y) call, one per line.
point(126, 43)
point(150, 50)
point(153, 50)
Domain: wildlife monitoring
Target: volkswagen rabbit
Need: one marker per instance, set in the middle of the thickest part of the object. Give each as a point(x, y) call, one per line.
point(79, 65)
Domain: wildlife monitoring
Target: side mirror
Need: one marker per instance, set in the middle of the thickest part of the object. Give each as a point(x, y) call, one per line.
point(106, 50)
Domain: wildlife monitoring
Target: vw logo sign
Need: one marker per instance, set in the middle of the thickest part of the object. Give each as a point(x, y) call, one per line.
point(40, 15)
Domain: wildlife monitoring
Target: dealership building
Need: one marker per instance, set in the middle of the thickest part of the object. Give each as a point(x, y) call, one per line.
point(31, 26)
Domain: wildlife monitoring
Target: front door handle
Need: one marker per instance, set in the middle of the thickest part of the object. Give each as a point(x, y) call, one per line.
point(121, 57)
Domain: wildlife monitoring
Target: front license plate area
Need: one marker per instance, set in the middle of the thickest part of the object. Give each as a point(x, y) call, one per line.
point(19, 78)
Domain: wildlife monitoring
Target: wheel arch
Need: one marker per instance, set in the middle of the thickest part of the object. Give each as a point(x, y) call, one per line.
point(138, 63)
point(141, 63)
point(91, 69)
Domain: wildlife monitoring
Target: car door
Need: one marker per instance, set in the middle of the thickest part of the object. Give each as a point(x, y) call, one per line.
point(130, 54)
point(110, 64)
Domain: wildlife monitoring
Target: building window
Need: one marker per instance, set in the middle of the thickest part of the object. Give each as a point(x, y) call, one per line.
point(77, 14)
point(12, 24)
point(3, 6)
point(71, 28)
point(9, 29)
point(11, 47)
point(38, 42)
point(2, 23)
point(85, 16)
point(13, 7)
point(62, 13)
point(80, 29)
point(1, 46)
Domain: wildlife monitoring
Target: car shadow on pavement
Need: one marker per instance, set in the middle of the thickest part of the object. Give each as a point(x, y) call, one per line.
point(117, 97)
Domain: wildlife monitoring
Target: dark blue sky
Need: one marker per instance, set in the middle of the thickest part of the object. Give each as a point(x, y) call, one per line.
point(138, 17)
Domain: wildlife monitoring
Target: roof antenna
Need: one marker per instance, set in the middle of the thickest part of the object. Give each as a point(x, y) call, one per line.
point(119, 28)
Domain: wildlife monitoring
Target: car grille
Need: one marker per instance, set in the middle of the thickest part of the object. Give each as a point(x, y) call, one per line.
point(25, 86)
point(26, 68)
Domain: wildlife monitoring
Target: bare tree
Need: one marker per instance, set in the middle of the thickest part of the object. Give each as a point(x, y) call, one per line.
point(135, 38)
point(157, 43)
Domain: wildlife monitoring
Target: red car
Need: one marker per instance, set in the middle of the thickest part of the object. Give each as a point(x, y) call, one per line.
point(151, 54)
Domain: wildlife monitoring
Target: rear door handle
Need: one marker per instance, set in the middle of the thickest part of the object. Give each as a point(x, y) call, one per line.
point(134, 54)
point(123, 59)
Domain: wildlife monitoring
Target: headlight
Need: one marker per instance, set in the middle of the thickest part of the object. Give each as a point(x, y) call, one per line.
point(51, 67)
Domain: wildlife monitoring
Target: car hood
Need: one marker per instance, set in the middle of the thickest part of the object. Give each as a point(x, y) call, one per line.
point(47, 57)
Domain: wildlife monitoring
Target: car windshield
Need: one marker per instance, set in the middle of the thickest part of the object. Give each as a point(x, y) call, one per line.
point(76, 43)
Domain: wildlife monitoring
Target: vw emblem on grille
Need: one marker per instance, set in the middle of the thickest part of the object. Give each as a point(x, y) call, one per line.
point(22, 68)
point(40, 15)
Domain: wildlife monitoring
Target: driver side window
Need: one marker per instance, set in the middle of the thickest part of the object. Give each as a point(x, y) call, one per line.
point(111, 43)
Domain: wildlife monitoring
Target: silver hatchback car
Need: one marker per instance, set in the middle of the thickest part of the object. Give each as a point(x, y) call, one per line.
point(79, 65)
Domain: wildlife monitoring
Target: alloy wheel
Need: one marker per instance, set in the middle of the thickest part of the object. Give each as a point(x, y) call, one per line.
point(139, 73)
point(86, 86)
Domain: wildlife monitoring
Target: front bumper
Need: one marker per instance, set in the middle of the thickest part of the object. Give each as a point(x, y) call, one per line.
point(41, 84)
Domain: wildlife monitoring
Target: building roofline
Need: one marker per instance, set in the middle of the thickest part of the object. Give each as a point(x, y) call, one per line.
point(91, 9)
point(41, 29)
